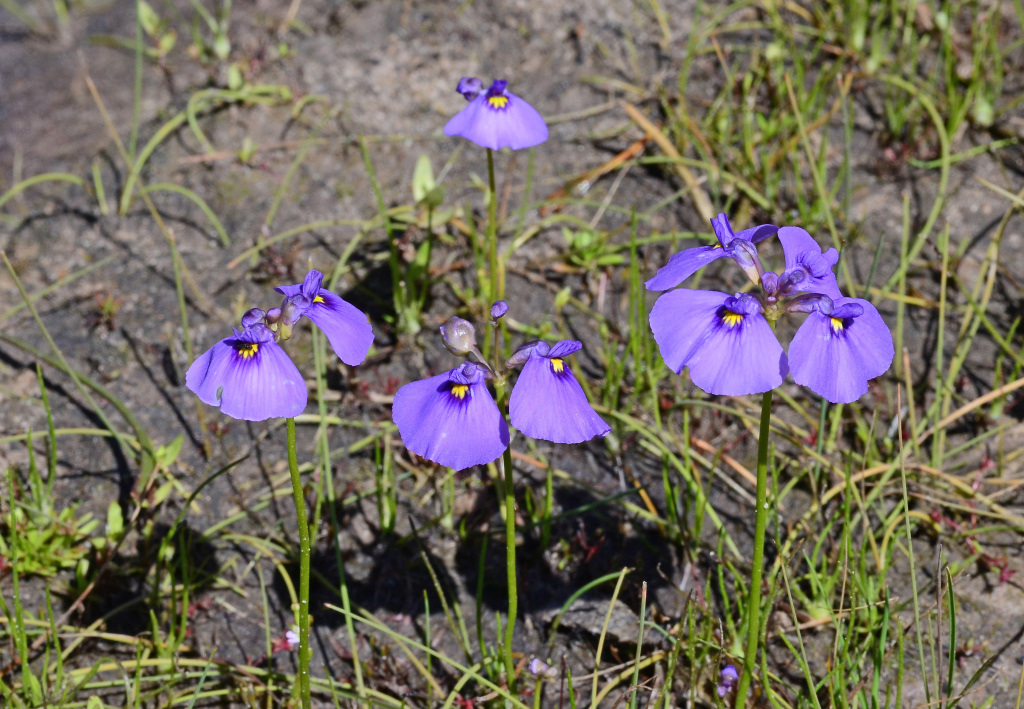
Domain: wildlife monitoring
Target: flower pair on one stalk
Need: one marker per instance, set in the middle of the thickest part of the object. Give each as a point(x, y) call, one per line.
point(727, 341)
point(250, 376)
point(452, 419)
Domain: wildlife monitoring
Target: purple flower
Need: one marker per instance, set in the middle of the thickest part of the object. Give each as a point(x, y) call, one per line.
point(688, 261)
point(451, 418)
point(808, 270)
point(345, 325)
point(840, 346)
point(728, 678)
point(547, 401)
point(496, 118)
point(292, 638)
point(724, 340)
point(248, 375)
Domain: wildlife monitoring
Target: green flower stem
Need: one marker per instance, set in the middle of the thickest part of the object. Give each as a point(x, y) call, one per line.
point(760, 522)
point(510, 566)
point(300, 514)
point(492, 229)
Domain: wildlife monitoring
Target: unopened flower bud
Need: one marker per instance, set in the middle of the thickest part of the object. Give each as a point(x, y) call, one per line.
point(499, 309)
point(293, 308)
point(252, 317)
point(459, 336)
point(745, 255)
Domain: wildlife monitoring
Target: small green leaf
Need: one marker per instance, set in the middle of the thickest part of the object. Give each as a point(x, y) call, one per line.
point(562, 298)
point(172, 450)
point(149, 20)
point(167, 41)
point(235, 79)
point(221, 46)
point(422, 178)
point(115, 521)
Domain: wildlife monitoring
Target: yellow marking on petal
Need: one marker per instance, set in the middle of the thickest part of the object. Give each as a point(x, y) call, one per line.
point(731, 319)
point(498, 101)
point(557, 364)
point(247, 350)
point(837, 325)
point(459, 391)
point(716, 246)
point(318, 299)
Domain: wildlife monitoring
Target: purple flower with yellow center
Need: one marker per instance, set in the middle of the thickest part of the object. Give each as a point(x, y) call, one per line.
point(839, 347)
point(344, 324)
point(725, 341)
point(730, 348)
point(496, 118)
point(738, 247)
point(451, 419)
point(547, 401)
point(249, 376)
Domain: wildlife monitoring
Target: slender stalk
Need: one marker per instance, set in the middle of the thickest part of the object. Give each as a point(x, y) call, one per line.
point(492, 229)
point(300, 514)
point(510, 565)
point(760, 523)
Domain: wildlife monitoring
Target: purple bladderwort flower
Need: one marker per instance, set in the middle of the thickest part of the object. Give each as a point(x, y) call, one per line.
point(725, 341)
point(547, 401)
point(249, 376)
point(727, 679)
point(344, 325)
point(496, 118)
point(731, 349)
point(684, 264)
point(839, 348)
point(451, 418)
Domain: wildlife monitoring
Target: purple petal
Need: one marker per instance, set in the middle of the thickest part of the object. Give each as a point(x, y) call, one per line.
point(723, 230)
point(548, 403)
point(344, 324)
point(757, 234)
point(564, 348)
point(684, 264)
point(311, 284)
point(514, 124)
point(249, 377)
point(435, 422)
point(803, 253)
point(835, 357)
point(725, 341)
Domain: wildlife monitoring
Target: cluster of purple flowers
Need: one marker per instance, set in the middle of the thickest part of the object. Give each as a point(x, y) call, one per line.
point(452, 419)
point(728, 341)
point(250, 376)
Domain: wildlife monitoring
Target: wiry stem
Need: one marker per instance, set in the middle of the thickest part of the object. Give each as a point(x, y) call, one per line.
point(492, 229)
point(300, 514)
point(510, 566)
point(760, 523)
